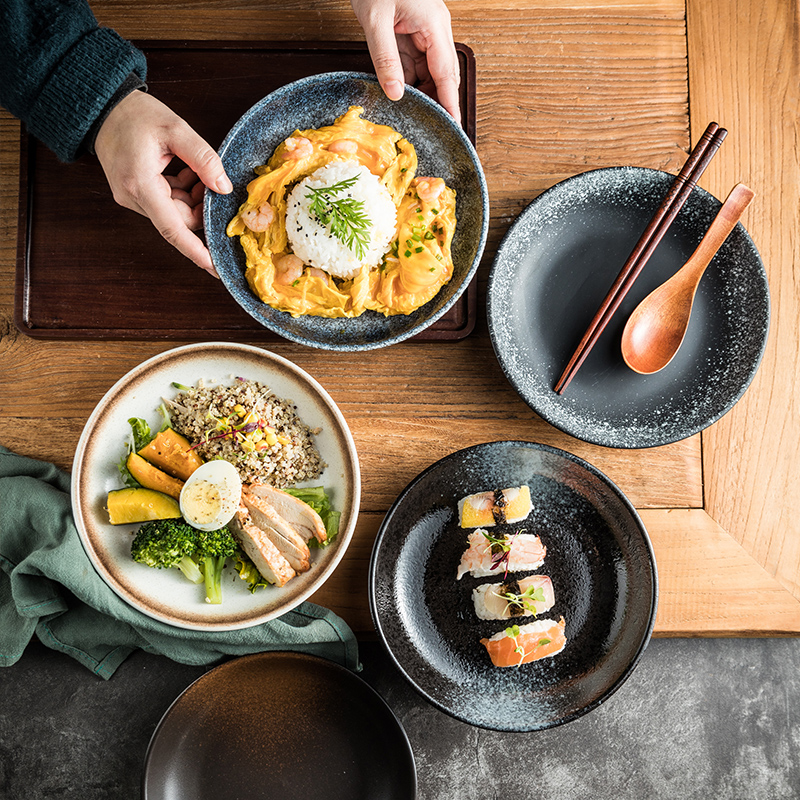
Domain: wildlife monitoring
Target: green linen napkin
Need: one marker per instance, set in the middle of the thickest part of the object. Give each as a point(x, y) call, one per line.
point(49, 587)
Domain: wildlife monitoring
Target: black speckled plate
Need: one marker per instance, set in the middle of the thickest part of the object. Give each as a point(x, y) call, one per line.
point(443, 150)
point(550, 275)
point(282, 725)
point(599, 559)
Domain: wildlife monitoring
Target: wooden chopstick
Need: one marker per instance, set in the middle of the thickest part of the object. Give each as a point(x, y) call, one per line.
point(676, 197)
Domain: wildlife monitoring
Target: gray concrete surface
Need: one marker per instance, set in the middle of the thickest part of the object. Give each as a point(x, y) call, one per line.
point(711, 719)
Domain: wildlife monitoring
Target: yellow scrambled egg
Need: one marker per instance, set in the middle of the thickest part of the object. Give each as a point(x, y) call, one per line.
point(419, 262)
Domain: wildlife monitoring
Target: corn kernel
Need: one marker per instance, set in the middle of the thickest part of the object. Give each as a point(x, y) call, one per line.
point(284, 440)
point(239, 409)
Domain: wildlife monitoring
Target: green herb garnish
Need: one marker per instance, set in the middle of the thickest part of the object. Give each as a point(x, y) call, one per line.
point(500, 548)
point(345, 215)
point(526, 599)
point(512, 633)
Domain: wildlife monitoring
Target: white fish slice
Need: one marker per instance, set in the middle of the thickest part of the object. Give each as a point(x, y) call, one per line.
point(509, 600)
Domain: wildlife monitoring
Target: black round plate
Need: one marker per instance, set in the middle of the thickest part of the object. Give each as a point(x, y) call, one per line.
point(554, 268)
point(283, 725)
point(599, 559)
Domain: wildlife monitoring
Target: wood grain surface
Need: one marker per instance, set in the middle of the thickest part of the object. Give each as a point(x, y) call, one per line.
point(562, 88)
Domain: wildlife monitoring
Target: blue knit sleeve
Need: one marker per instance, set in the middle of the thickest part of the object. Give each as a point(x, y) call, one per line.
point(59, 69)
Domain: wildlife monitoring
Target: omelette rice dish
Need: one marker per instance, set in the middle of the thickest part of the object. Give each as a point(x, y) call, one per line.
point(338, 222)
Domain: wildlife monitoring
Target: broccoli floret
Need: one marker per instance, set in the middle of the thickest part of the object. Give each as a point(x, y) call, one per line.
point(166, 543)
point(212, 549)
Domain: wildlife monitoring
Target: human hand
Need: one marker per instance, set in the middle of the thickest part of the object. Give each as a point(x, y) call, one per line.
point(134, 145)
point(412, 39)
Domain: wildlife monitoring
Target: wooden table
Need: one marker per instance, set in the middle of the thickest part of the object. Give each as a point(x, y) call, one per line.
point(562, 88)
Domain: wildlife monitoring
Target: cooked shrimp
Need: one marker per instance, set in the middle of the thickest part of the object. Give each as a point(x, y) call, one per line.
point(259, 219)
point(343, 147)
point(288, 268)
point(297, 147)
point(319, 273)
point(429, 189)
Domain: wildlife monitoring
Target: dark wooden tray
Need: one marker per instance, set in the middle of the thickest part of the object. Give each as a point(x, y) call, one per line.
point(89, 269)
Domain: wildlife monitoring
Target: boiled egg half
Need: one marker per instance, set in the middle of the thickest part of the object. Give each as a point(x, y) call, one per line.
point(211, 495)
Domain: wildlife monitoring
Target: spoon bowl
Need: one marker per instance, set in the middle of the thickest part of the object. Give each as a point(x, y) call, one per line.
point(655, 330)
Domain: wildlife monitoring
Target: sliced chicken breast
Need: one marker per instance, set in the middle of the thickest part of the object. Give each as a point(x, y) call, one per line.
point(260, 549)
point(303, 519)
point(280, 533)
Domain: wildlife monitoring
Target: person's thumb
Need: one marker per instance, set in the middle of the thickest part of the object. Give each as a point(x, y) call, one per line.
point(199, 156)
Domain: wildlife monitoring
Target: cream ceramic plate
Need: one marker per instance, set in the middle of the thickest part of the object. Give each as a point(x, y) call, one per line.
point(165, 594)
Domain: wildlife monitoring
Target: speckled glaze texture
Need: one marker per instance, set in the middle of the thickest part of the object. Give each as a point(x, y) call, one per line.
point(555, 266)
point(285, 725)
point(443, 150)
point(599, 558)
point(164, 594)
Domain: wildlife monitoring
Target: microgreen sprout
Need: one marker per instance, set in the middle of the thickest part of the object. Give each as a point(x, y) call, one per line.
point(525, 600)
point(345, 215)
point(228, 427)
point(501, 548)
point(512, 633)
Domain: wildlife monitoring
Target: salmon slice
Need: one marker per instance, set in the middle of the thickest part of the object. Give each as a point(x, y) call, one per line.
point(490, 555)
point(280, 533)
point(486, 509)
point(526, 643)
point(514, 599)
point(303, 519)
point(261, 551)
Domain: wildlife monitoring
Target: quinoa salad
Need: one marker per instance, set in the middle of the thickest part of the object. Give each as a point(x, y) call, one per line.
point(249, 426)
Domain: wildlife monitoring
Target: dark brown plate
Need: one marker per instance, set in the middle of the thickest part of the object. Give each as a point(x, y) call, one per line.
point(89, 269)
point(282, 725)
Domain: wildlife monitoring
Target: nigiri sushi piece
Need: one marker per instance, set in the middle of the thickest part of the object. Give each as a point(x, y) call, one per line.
point(514, 599)
point(521, 644)
point(490, 508)
point(499, 555)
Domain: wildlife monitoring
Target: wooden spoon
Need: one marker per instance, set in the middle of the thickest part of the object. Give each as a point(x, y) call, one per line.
point(655, 329)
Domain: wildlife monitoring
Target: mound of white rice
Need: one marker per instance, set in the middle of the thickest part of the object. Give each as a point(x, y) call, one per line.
point(314, 243)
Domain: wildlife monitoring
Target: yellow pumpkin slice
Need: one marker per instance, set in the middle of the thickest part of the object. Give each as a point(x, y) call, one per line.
point(172, 452)
point(140, 505)
point(152, 477)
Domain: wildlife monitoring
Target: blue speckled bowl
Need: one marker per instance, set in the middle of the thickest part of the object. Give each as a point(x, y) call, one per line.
point(553, 269)
point(443, 150)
